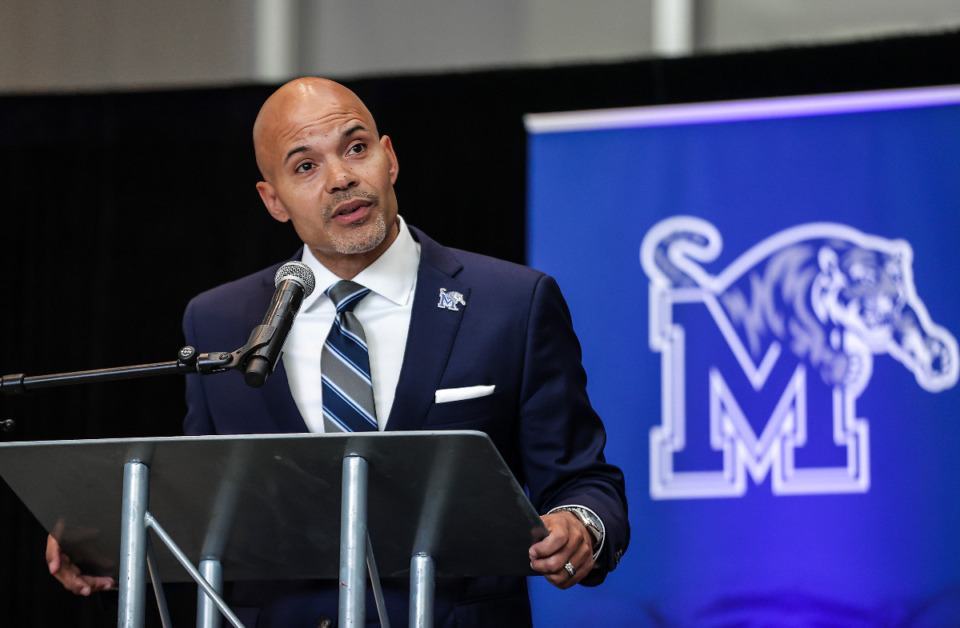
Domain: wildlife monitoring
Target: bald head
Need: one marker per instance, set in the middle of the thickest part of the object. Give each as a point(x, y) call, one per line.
point(296, 104)
point(327, 170)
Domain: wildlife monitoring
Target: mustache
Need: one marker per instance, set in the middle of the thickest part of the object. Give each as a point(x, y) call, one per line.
point(347, 195)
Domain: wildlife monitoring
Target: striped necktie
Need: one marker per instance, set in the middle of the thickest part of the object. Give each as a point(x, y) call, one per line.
point(345, 366)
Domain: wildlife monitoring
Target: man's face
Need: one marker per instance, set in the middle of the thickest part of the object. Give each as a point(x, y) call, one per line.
point(329, 173)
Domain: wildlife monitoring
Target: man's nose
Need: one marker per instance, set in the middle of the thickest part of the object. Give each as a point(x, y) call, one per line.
point(341, 178)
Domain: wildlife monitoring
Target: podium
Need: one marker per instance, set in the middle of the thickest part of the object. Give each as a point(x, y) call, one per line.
point(255, 507)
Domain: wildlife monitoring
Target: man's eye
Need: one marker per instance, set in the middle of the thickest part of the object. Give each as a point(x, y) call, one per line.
point(304, 167)
point(357, 148)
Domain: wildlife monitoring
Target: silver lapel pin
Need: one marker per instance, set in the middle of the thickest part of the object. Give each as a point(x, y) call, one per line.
point(449, 300)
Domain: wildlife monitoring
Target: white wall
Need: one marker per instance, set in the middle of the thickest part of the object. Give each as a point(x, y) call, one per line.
point(738, 24)
point(93, 44)
point(51, 45)
point(376, 37)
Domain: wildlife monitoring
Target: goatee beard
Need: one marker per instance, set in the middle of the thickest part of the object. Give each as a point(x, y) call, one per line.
point(361, 238)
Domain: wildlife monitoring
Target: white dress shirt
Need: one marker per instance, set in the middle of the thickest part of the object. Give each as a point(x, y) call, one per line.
point(384, 314)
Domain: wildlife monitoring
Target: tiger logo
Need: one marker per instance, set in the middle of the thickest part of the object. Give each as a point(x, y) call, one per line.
point(828, 294)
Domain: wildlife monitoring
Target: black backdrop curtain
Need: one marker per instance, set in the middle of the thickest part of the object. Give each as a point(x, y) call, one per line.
point(118, 207)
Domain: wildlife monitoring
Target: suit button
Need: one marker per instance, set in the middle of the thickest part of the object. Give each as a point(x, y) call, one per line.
point(324, 622)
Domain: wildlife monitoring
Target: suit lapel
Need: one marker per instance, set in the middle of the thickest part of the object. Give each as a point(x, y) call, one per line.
point(430, 339)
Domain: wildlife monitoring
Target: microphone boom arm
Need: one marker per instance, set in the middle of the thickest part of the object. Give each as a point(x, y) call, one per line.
point(188, 361)
point(293, 281)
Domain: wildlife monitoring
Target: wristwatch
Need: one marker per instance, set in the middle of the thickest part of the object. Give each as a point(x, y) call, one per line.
point(591, 522)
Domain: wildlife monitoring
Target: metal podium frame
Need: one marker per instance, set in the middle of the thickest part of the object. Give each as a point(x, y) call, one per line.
point(228, 502)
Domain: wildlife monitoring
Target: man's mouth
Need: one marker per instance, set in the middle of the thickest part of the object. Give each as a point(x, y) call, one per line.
point(351, 211)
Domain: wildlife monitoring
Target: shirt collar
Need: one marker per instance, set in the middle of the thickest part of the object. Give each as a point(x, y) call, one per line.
point(392, 276)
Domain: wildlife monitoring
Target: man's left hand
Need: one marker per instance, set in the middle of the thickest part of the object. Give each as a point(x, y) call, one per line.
point(567, 542)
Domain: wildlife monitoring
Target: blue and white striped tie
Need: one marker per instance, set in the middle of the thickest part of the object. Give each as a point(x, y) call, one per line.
point(345, 366)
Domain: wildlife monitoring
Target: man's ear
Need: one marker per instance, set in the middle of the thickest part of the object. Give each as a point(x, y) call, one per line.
point(272, 202)
point(391, 157)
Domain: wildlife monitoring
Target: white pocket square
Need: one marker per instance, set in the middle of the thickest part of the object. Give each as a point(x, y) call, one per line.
point(446, 395)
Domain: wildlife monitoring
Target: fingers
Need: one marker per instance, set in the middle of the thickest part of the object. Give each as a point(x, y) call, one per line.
point(579, 566)
point(70, 576)
point(53, 554)
point(79, 584)
point(567, 543)
point(94, 584)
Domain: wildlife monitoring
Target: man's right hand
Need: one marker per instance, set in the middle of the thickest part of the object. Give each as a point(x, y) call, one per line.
point(69, 575)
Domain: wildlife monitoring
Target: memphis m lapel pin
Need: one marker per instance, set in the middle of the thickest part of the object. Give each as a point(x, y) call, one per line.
point(449, 300)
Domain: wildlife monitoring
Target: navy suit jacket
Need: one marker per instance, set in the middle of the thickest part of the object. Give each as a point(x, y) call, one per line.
point(514, 333)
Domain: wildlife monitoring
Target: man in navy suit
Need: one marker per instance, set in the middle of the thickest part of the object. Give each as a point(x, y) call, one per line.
point(456, 341)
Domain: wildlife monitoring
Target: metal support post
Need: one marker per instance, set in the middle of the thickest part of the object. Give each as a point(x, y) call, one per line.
point(208, 615)
point(133, 546)
point(353, 542)
point(154, 570)
point(422, 584)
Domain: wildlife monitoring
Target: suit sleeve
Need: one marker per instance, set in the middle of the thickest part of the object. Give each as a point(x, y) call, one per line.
point(562, 436)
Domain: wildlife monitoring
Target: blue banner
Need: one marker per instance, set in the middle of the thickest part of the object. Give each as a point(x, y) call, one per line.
point(767, 297)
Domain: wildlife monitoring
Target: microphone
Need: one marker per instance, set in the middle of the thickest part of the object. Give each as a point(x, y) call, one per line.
point(294, 282)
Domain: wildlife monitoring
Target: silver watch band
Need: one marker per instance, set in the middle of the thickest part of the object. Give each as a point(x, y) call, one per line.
point(591, 522)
